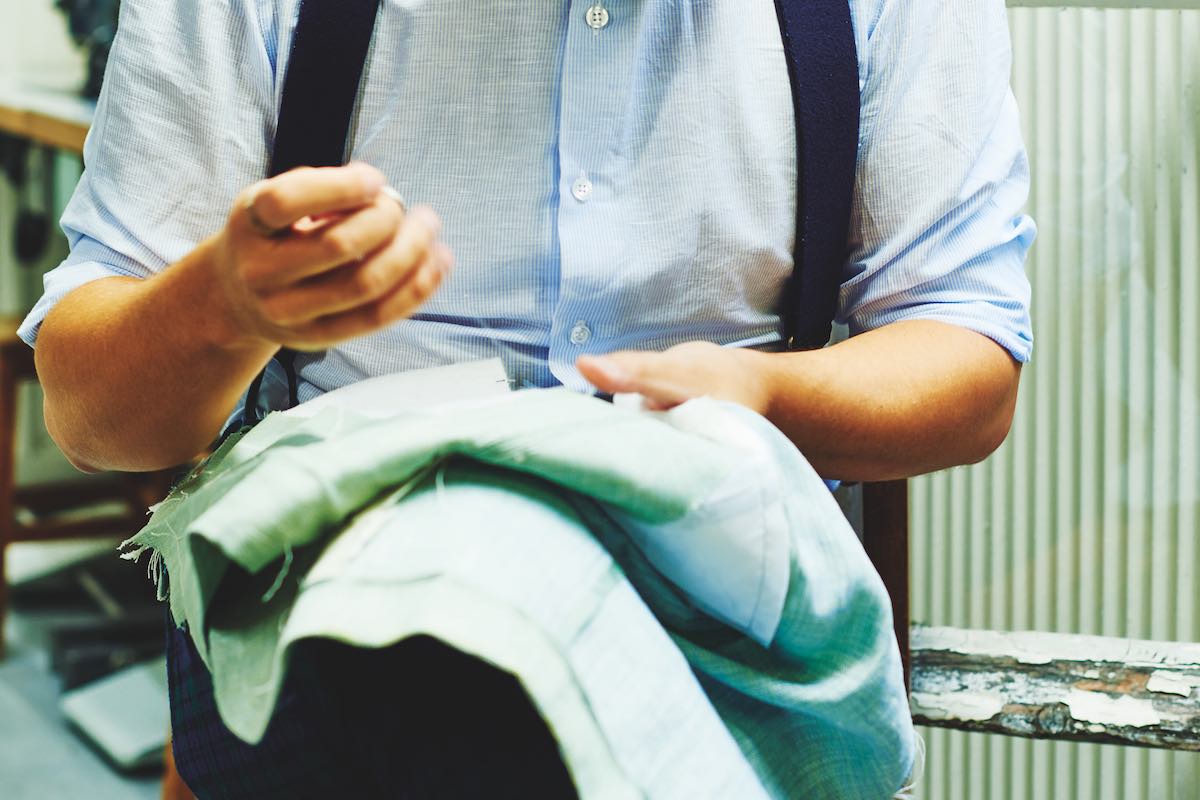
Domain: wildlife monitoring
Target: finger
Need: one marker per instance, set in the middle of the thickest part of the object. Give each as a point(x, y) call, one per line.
point(349, 287)
point(389, 266)
point(386, 192)
point(400, 303)
point(421, 228)
point(628, 372)
point(285, 262)
point(279, 202)
point(411, 295)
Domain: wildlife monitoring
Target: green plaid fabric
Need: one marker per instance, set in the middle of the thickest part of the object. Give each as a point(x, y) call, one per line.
point(495, 531)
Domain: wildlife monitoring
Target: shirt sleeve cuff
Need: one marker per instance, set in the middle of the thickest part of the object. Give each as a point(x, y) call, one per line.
point(1002, 325)
point(58, 284)
point(989, 294)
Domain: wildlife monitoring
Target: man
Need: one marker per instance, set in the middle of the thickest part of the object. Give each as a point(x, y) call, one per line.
point(616, 194)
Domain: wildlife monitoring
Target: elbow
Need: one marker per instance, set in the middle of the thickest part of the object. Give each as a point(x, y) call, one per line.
point(67, 442)
point(61, 424)
point(80, 464)
point(993, 428)
point(988, 440)
point(58, 400)
point(91, 446)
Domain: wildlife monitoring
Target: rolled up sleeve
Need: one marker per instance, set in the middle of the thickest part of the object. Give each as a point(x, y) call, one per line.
point(182, 124)
point(938, 231)
point(89, 261)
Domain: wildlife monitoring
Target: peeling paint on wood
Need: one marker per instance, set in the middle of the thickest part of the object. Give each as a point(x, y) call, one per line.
point(1055, 686)
point(961, 705)
point(1179, 683)
point(1035, 647)
point(1101, 709)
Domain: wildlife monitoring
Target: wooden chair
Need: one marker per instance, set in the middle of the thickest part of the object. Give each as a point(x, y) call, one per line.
point(885, 538)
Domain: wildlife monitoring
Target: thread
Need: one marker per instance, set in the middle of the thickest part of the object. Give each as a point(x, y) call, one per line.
point(281, 576)
point(918, 769)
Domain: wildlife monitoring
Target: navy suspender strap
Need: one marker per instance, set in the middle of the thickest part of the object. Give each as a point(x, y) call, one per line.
point(822, 55)
point(329, 52)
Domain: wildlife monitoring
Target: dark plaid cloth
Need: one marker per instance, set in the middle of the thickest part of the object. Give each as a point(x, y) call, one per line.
point(417, 720)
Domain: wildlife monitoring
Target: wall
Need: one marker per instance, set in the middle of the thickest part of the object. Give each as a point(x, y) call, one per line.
point(35, 49)
point(1086, 520)
point(34, 45)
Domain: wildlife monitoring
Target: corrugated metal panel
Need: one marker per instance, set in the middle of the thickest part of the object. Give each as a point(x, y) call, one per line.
point(1086, 520)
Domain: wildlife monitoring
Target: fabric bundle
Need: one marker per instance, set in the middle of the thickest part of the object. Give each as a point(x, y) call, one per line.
point(678, 592)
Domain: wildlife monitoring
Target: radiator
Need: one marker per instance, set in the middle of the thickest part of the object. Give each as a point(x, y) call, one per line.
point(1086, 519)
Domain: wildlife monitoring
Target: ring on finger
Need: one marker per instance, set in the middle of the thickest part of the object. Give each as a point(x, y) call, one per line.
point(388, 191)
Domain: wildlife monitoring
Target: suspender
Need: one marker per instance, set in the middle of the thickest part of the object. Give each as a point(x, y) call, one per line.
point(329, 50)
point(818, 36)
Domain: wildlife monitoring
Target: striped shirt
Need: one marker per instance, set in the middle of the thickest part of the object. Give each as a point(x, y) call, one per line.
point(612, 180)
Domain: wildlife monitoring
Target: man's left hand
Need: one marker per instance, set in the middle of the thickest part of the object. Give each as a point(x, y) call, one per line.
point(694, 369)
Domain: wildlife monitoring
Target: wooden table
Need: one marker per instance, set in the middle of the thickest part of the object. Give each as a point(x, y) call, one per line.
point(45, 116)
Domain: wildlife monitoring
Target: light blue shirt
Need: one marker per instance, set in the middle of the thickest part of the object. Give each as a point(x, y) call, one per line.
point(624, 186)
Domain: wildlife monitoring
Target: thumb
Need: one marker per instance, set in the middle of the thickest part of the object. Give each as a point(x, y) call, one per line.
point(631, 372)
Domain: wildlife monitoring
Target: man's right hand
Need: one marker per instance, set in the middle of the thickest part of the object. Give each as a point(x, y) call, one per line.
point(313, 257)
point(142, 374)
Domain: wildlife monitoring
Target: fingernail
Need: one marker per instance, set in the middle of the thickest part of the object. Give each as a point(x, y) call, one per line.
point(445, 258)
point(431, 276)
point(428, 218)
point(372, 179)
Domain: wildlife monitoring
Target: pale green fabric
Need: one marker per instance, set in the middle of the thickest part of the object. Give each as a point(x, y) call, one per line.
point(494, 528)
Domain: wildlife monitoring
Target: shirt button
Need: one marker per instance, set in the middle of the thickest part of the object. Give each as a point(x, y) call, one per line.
point(581, 189)
point(580, 333)
point(597, 17)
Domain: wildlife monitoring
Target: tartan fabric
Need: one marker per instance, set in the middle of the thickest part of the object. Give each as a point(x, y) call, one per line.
point(360, 530)
point(348, 725)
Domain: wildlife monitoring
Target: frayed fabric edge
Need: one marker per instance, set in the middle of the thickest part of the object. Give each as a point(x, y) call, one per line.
point(132, 550)
point(918, 770)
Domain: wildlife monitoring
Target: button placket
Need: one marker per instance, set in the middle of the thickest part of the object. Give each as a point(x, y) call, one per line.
point(598, 59)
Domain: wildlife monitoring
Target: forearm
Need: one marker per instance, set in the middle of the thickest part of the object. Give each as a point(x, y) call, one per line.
point(140, 375)
point(909, 398)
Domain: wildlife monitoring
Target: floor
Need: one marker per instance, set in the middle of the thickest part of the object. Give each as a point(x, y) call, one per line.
point(41, 757)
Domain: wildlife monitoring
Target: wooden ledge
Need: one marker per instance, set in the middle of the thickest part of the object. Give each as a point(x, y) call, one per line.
point(1058, 686)
point(47, 117)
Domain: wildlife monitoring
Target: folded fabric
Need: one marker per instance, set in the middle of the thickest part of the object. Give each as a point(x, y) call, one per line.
point(679, 593)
